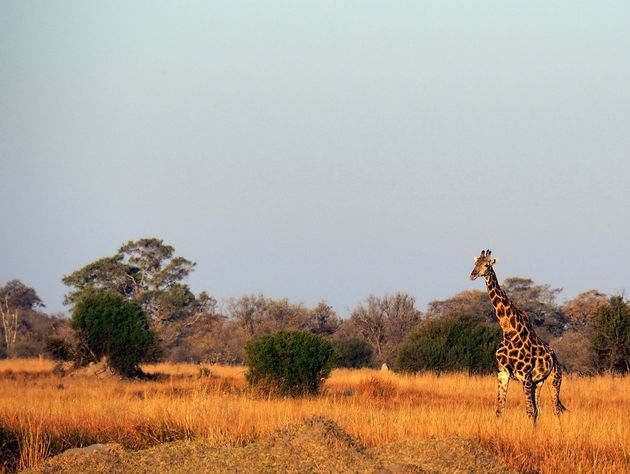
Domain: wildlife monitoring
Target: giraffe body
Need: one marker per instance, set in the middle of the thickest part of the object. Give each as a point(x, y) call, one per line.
point(521, 355)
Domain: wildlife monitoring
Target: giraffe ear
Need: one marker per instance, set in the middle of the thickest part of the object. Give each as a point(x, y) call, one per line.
point(494, 261)
point(475, 259)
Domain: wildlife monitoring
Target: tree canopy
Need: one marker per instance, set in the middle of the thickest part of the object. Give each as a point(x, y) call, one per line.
point(18, 296)
point(146, 271)
point(383, 322)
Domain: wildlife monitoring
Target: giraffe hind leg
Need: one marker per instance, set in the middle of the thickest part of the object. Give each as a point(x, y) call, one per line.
point(558, 407)
point(539, 386)
point(530, 399)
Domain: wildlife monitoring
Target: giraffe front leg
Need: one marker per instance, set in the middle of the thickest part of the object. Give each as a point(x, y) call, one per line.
point(504, 379)
point(530, 399)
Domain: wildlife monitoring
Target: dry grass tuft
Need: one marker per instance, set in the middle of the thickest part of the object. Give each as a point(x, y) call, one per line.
point(377, 388)
point(45, 414)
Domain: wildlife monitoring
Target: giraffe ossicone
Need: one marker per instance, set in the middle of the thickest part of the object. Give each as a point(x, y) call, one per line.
point(521, 355)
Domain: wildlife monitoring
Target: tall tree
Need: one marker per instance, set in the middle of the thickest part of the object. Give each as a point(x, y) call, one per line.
point(146, 271)
point(154, 265)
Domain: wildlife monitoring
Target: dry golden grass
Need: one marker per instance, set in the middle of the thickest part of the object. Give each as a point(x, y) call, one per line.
point(30, 366)
point(42, 414)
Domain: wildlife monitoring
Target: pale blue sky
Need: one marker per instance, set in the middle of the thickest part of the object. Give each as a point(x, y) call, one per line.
point(318, 150)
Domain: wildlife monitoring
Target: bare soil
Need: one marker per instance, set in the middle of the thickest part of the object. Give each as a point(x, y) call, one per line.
point(316, 445)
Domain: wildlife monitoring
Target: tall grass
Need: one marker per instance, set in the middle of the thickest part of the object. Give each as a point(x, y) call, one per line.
point(43, 414)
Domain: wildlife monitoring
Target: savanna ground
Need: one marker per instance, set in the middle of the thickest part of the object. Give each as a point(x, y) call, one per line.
point(364, 420)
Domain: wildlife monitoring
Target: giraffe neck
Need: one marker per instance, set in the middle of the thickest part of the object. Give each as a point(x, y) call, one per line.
point(509, 317)
point(495, 292)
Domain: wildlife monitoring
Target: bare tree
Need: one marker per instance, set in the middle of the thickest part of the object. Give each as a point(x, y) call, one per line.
point(383, 322)
point(15, 297)
point(248, 311)
point(401, 317)
point(369, 319)
point(9, 325)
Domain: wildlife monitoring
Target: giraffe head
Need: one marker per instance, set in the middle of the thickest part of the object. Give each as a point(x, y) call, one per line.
point(482, 264)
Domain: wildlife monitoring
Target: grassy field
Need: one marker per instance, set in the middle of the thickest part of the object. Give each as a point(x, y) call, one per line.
point(42, 414)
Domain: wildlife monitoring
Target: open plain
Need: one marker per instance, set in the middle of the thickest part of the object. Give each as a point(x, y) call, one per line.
point(206, 418)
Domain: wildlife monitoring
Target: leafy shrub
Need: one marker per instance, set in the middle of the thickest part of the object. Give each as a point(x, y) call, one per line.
point(353, 353)
point(611, 336)
point(113, 327)
point(291, 363)
point(59, 349)
point(462, 342)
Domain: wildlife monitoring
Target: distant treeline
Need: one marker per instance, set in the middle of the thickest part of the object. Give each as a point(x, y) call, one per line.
point(589, 333)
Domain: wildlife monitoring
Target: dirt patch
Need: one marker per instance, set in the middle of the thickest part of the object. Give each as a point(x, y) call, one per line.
point(452, 455)
point(316, 445)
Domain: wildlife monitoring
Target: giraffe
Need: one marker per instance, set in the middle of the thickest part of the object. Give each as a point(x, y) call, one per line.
point(521, 355)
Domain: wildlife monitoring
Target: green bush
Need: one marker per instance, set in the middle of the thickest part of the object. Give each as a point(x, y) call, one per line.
point(462, 342)
point(353, 353)
point(291, 363)
point(110, 326)
point(611, 336)
point(59, 349)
